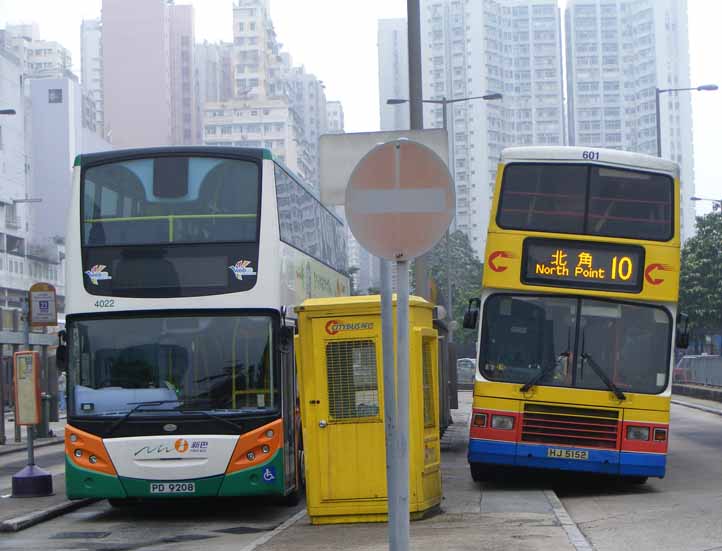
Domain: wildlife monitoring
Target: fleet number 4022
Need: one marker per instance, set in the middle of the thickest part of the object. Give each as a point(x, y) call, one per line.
point(105, 303)
point(590, 155)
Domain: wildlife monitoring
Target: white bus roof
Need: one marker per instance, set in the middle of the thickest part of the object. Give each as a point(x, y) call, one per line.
point(606, 156)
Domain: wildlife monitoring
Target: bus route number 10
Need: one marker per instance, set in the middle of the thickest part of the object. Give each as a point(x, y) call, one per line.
point(590, 155)
point(622, 267)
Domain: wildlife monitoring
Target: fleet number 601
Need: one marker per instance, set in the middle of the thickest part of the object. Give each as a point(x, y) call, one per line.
point(590, 155)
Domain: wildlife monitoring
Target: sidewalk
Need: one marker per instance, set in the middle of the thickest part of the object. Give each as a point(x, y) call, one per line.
point(707, 393)
point(56, 427)
point(470, 519)
point(702, 404)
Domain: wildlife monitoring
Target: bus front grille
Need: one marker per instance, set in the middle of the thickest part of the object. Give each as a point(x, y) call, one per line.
point(570, 426)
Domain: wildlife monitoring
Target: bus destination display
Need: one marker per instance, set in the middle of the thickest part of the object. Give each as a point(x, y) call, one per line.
point(583, 265)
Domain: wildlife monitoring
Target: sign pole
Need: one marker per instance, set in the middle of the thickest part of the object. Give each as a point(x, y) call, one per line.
point(399, 202)
point(30, 481)
point(402, 429)
point(387, 340)
point(26, 345)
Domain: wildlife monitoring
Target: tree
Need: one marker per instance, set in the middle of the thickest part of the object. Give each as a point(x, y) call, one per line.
point(466, 272)
point(700, 282)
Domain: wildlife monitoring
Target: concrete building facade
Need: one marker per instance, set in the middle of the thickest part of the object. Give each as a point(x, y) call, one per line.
point(185, 109)
point(58, 136)
point(618, 52)
point(469, 49)
point(91, 64)
point(393, 49)
point(21, 262)
point(273, 104)
point(334, 117)
point(137, 73)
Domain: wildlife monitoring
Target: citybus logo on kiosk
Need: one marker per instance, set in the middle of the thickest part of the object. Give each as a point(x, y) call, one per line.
point(97, 273)
point(242, 268)
point(335, 326)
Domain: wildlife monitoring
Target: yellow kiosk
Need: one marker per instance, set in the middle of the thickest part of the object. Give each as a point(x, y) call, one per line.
point(340, 366)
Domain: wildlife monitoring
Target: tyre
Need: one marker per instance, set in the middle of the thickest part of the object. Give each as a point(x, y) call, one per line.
point(479, 472)
point(117, 503)
point(636, 479)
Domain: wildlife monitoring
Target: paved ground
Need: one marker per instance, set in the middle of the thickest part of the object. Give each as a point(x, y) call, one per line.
point(679, 512)
point(511, 512)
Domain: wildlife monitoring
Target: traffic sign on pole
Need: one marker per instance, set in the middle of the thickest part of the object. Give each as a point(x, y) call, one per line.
point(43, 310)
point(399, 202)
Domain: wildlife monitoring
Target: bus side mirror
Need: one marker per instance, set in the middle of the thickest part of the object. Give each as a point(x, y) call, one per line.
point(61, 353)
point(471, 316)
point(286, 338)
point(681, 339)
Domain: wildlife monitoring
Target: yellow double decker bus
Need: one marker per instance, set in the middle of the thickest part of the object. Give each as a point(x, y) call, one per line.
point(578, 313)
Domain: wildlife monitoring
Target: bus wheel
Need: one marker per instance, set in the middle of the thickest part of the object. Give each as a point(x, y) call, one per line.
point(636, 479)
point(479, 472)
point(120, 503)
point(292, 499)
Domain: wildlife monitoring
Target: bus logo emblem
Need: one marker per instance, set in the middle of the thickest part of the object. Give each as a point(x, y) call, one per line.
point(498, 254)
point(181, 445)
point(97, 273)
point(653, 268)
point(242, 268)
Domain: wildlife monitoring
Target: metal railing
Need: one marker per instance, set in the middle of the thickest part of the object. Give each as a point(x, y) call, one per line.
point(700, 370)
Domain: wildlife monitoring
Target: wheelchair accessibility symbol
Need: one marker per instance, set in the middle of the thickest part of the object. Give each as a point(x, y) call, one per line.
point(269, 474)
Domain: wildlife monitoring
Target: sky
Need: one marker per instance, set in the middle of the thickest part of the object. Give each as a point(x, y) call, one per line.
point(336, 41)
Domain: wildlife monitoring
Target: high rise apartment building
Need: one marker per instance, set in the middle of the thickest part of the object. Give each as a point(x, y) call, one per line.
point(393, 73)
point(91, 64)
point(185, 110)
point(334, 117)
point(511, 47)
point(136, 72)
point(618, 52)
point(273, 105)
point(214, 71)
point(39, 58)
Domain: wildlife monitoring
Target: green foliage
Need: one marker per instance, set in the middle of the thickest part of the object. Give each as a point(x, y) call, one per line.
point(700, 293)
point(466, 271)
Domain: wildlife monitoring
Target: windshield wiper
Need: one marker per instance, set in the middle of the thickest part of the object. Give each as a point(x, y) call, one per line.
point(236, 426)
point(539, 375)
point(138, 405)
point(603, 376)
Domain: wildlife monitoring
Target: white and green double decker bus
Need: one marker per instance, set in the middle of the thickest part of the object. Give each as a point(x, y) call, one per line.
point(183, 268)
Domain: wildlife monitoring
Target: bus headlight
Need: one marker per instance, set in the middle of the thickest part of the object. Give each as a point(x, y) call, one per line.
point(265, 449)
point(78, 453)
point(250, 456)
point(505, 422)
point(637, 433)
point(660, 435)
point(93, 460)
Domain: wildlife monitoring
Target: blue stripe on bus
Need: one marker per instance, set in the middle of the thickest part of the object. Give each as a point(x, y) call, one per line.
point(642, 464)
point(535, 456)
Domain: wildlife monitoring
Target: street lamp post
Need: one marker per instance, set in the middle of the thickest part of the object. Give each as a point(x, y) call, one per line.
point(716, 203)
point(659, 91)
point(444, 102)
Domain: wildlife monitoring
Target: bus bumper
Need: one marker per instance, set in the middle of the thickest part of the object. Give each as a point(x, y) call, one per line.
point(536, 456)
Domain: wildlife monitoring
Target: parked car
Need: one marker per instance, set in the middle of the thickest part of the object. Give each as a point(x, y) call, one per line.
point(465, 372)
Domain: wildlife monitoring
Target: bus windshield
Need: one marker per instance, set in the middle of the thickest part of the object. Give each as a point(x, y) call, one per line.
point(167, 364)
point(566, 341)
point(589, 200)
point(170, 199)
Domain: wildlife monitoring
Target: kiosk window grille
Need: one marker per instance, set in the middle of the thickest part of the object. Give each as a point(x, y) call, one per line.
point(428, 382)
point(352, 381)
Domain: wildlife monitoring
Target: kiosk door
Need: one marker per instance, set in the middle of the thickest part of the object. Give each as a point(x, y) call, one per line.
point(350, 419)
